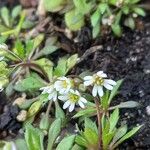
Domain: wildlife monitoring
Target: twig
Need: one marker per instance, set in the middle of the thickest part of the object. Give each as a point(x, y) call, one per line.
point(89, 51)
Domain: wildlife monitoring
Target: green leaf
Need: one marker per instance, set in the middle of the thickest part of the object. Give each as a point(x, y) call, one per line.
point(16, 11)
point(29, 47)
point(20, 143)
point(139, 11)
point(128, 135)
point(107, 139)
point(35, 108)
point(53, 6)
point(85, 112)
point(114, 92)
point(81, 141)
point(59, 113)
point(53, 133)
point(103, 7)
point(114, 117)
point(27, 24)
point(71, 61)
point(5, 15)
point(19, 49)
point(46, 65)
point(91, 134)
point(134, 1)
point(119, 133)
point(128, 104)
point(82, 6)
point(30, 83)
point(129, 22)
point(116, 29)
point(60, 70)
point(48, 49)
point(90, 124)
point(126, 10)
point(95, 18)
point(74, 21)
point(34, 138)
point(7, 145)
point(66, 143)
point(96, 30)
point(77, 147)
point(38, 40)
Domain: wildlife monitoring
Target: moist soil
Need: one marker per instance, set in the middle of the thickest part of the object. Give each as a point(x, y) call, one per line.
point(125, 58)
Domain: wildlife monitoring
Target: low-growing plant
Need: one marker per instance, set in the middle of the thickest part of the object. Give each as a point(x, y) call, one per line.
point(93, 94)
point(110, 14)
point(12, 22)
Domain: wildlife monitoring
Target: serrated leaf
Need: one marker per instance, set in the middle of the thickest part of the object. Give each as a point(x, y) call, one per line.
point(102, 7)
point(53, 133)
point(20, 143)
point(66, 143)
point(19, 49)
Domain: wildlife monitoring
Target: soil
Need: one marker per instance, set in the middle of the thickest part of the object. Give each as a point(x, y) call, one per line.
point(125, 58)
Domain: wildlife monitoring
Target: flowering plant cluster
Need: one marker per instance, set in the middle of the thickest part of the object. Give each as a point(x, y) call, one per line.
point(66, 89)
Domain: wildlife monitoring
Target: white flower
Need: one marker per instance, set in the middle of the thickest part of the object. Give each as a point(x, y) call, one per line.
point(72, 98)
point(63, 85)
point(98, 81)
point(1, 88)
point(3, 46)
point(1, 58)
point(50, 90)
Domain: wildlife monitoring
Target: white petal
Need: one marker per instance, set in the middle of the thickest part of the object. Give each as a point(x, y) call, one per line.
point(50, 96)
point(88, 78)
point(109, 81)
point(88, 82)
point(101, 74)
point(81, 104)
point(108, 86)
point(94, 91)
point(77, 93)
point(71, 107)
point(83, 100)
point(100, 91)
point(55, 97)
point(65, 97)
point(66, 104)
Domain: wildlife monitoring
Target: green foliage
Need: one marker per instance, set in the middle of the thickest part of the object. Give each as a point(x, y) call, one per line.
point(109, 13)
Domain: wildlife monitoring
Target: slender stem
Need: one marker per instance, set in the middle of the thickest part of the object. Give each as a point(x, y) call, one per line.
point(99, 117)
point(48, 108)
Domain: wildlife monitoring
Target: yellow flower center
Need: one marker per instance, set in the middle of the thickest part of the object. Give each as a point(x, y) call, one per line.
point(64, 84)
point(98, 80)
point(73, 97)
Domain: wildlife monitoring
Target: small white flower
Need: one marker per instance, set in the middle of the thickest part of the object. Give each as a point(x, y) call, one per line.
point(1, 58)
point(3, 46)
point(1, 88)
point(50, 90)
point(63, 85)
point(98, 81)
point(72, 98)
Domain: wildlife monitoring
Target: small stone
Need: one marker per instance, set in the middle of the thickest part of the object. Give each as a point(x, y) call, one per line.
point(20, 100)
point(108, 48)
point(22, 116)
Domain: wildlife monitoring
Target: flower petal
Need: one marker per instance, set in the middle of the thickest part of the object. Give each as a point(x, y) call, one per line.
point(108, 86)
point(88, 82)
point(109, 81)
point(64, 97)
point(94, 91)
point(100, 91)
point(101, 74)
point(66, 104)
point(81, 104)
point(88, 78)
point(83, 100)
point(71, 107)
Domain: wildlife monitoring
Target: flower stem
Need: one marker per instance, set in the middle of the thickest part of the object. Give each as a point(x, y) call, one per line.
point(99, 117)
point(48, 108)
